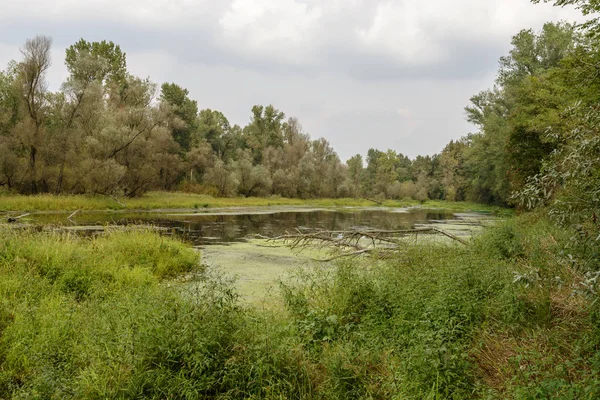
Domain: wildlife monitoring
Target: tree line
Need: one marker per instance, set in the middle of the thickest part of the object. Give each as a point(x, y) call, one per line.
point(109, 132)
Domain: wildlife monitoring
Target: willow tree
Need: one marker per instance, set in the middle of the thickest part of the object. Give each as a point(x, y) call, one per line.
point(32, 90)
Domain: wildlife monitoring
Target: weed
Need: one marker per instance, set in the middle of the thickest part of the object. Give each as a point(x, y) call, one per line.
point(103, 317)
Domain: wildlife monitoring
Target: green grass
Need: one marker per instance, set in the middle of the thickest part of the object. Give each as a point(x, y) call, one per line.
point(506, 317)
point(158, 200)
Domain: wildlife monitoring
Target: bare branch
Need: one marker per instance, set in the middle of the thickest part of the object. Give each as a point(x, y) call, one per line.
point(352, 243)
point(15, 219)
point(72, 215)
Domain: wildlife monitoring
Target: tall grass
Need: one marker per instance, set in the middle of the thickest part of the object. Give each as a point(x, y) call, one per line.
point(171, 200)
point(508, 316)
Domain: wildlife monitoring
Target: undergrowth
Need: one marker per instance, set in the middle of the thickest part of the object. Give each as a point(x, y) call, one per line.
point(178, 200)
point(508, 316)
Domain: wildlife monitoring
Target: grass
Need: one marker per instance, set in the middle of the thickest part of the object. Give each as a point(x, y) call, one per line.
point(508, 317)
point(158, 200)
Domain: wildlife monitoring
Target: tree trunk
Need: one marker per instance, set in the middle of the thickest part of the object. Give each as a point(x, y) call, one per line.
point(32, 154)
point(60, 178)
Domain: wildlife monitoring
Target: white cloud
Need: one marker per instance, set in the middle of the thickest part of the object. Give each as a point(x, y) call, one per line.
point(362, 73)
point(418, 32)
point(276, 28)
point(8, 53)
point(172, 13)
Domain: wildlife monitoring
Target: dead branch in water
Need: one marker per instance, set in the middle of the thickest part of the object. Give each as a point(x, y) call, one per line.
point(373, 200)
point(356, 242)
point(72, 215)
point(15, 219)
point(117, 200)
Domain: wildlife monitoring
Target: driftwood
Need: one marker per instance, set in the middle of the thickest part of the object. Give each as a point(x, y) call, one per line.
point(15, 219)
point(373, 200)
point(356, 242)
point(72, 215)
point(117, 200)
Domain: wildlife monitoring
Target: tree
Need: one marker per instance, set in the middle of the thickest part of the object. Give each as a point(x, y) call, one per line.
point(11, 165)
point(252, 180)
point(105, 62)
point(9, 99)
point(265, 130)
point(214, 128)
point(31, 81)
point(533, 53)
point(452, 166)
point(587, 7)
point(185, 109)
point(369, 175)
point(514, 116)
point(83, 85)
point(386, 174)
point(355, 171)
point(568, 182)
point(307, 181)
point(423, 169)
point(222, 178)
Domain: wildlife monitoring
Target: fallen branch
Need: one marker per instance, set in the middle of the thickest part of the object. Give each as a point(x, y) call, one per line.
point(15, 219)
point(354, 254)
point(72, 215)
point(352, 243)
point(450, 236)
point(374, 201)
point(117, 200)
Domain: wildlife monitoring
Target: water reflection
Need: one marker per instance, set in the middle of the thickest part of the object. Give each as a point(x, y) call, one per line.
point(207, 228)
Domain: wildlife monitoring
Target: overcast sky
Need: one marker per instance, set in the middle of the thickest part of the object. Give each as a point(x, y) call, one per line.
point(361, 73)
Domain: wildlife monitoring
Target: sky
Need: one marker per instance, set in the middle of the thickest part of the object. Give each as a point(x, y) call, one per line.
point(385, 74)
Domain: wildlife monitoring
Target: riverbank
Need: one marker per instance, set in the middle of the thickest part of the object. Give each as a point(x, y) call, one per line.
point(506, 316)
point(188, 201)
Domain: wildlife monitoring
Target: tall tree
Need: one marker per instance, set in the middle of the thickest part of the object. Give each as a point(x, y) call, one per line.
point(587, 7)
point(355, 171)
point(11, 165)
point(32, 89)
point(214, 128)
point(96, 61)
point(185, 109)
point(265, 130)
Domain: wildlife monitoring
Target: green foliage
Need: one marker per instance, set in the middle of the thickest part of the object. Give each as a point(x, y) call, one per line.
point(111, 62)
point(532, 92)
point(95, 318)
point(265, 130)
point(587, 7)
point(71, 305)
point(504, 242)
point(420, 317)
point(103, 133)
point(185, 109)
point(533, 54)
point(215, 129)
point(568, 185)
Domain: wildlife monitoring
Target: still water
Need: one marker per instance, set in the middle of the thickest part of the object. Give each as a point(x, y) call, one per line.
point(227, 226)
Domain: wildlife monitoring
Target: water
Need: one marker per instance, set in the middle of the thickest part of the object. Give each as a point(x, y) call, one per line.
point(220, 226)
point(257, 265)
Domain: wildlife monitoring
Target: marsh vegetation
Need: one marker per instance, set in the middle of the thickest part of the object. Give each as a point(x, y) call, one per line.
point(137, 307)
point(135, 314)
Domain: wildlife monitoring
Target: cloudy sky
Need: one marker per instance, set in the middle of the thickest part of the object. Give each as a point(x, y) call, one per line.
point(361, 73)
